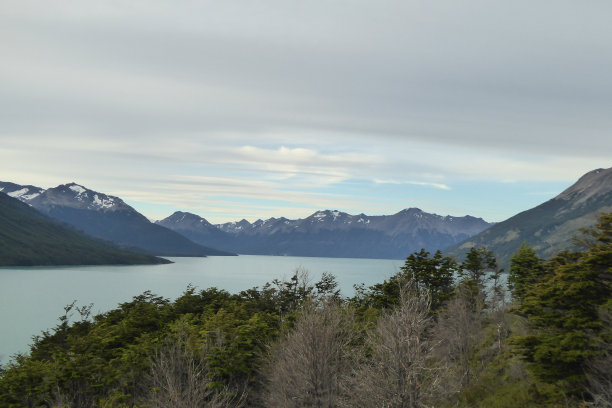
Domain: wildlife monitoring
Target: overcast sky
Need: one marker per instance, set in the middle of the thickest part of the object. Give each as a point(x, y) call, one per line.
point(252, 109)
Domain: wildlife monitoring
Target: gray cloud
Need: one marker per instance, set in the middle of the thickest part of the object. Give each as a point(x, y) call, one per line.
point(466, 72)
point(375, 89)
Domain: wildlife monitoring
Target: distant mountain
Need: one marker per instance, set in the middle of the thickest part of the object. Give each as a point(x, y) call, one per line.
point(23, 193)
point(549, 227)
point(106, 217)
point(331, 233)
point(194, 227)
point(28, 237)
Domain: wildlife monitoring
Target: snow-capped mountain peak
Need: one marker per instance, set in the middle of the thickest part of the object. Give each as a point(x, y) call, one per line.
point(328, 215)
point(74, 195)
point(77, 188)
point(335, 233)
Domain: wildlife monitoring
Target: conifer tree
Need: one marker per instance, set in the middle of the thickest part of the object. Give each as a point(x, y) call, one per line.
point(432, 275)
point(479, 266)
point(479, 262)
point(526, 268)
point(563, 309)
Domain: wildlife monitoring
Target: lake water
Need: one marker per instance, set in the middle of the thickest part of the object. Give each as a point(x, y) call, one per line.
point(32, 298)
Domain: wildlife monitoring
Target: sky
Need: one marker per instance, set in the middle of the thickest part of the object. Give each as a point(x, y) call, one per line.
point(258, 109)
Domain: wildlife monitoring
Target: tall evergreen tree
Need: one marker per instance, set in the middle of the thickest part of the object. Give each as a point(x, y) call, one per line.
point(431, 274)
point(563, 309)
point(478, 264)
point(526, 268)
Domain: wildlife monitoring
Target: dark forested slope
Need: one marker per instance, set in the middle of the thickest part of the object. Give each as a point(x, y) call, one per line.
point(30, 238)
point(106, 217)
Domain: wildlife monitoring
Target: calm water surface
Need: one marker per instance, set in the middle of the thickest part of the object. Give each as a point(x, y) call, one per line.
point(31, 299)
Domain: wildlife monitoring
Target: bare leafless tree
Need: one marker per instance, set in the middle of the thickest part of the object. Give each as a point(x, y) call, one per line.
point(181, 378)
point(459, 329)
point(59, 399)
point(400, 371)
point(600, 380)
point(599, 370)
point(498, 301)
point(307, 366)
point(74, 398)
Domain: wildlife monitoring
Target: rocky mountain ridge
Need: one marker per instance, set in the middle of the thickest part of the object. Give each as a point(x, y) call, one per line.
point(106, 217)
point(69, 195)
point(548, 227)
point(552, 225)
point(331, 233)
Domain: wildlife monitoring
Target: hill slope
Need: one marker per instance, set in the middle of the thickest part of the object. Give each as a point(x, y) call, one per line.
point(549, 227)
point(30, 238)
point(108, 218)
point(331, 233)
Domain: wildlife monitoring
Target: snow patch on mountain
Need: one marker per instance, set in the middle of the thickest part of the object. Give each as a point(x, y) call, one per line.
point(23, 194)
point(107, 202)
point(77, 189)
point(18, 193)
point(30, 196)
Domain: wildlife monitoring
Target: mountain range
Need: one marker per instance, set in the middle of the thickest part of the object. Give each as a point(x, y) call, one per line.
point(324, 233)
point(331, 233)
point(552, 225)
point(28, 237)
point(106, 217)
point(548, 227)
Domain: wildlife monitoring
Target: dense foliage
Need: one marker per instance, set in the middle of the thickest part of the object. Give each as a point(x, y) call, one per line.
point(421, 338)
point(526, 268)
point(563, 307)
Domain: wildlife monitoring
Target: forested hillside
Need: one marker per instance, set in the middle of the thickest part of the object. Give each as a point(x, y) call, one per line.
point(30, 238)
point(107, 218)
point(549, 227)
point(419, 339)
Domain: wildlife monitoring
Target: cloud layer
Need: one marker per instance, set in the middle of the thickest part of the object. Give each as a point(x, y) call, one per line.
point(276, 107)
